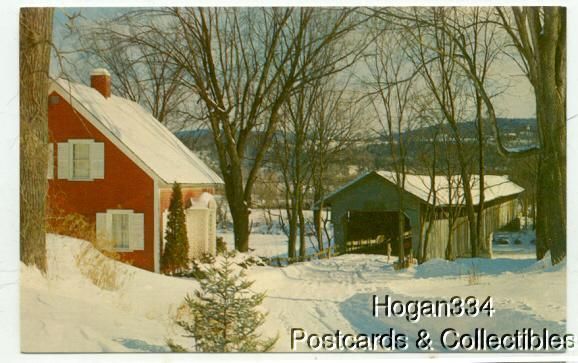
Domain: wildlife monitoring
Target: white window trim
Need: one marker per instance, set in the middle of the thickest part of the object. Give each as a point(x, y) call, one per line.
point(127, 212)
point(71, 143)
point(136, 228)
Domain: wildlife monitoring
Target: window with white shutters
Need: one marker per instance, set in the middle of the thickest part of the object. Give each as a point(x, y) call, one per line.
point(81, 160)
point(123, 227)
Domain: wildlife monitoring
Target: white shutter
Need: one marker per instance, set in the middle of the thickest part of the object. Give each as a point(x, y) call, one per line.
point(63, 160)
point(108, 226)
point(50, 171)
point(97, 160)
point(136, 226)
point(101, 226)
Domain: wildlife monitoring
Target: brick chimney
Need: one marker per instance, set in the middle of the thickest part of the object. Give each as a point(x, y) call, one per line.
point(100, 81)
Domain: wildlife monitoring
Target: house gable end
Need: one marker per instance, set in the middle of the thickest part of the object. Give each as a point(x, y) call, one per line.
point(93, 120)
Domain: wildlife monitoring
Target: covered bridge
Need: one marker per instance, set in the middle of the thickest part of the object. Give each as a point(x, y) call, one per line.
point(365, 212)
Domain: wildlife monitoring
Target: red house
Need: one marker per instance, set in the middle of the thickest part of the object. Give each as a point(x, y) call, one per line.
point(114, 163)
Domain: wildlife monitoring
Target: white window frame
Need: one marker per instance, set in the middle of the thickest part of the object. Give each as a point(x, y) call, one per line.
point(71, 144)
point(135, 223)
point(127, 213)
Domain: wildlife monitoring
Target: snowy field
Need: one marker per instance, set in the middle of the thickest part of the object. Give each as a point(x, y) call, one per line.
point(65, 312)
point(268, 238)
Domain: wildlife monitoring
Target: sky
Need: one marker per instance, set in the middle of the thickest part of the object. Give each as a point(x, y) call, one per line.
point(517, 100)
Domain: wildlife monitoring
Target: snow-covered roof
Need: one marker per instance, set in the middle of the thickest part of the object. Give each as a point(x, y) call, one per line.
point(205, 200)
point(496, 186)
point(149, 141)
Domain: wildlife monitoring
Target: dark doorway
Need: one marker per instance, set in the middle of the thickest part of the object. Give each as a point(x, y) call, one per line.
point(372, 231)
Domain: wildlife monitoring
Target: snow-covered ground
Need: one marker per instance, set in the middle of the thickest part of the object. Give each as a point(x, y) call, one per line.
point(65, 312)
point(268, 238)
point(325, 295)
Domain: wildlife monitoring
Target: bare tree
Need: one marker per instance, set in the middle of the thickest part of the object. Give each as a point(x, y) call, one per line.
point(455, 198)
point(428, 157)
point(538, 35)
point(483, 43)
point(291, 144)
point(318, 124)
point(35, 46)
point(339, 120)
point(392, 80)
point(434, 55)
point(138, 72)
point(243, 65)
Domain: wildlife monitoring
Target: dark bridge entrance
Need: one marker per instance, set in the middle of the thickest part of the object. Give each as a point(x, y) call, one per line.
point(371, 231)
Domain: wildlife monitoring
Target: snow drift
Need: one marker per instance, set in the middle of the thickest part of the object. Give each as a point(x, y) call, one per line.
point(65, 312)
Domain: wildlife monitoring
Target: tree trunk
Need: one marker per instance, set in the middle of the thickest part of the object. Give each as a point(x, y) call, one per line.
point(238, 205)
point(401, 233)
point(551, 117)
point(317, 217)
point(401, 218)
point(464, 172)
point(302, 247)
point(471, 216)
point(551, 226)
point(449, 248)
point(452, 215)
point(35, 45)
point(481, 174)
point(424, 255)
point(240, 216)
point(542, 241)
point(292, 243)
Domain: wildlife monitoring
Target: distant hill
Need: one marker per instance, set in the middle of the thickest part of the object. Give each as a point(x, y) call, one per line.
point(187, 134)
point(507, 126)
point(512, 127)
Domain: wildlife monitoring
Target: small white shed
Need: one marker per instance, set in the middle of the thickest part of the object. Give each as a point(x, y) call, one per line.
point(201, 221)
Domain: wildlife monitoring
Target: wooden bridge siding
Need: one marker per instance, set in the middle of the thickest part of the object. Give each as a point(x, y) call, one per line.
point(496, 216)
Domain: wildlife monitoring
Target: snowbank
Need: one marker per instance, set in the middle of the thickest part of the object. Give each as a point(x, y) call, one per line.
point(65, 312)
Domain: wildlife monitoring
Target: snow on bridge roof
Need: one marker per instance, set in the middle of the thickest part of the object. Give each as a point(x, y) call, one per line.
point(496, 186)
point(150, 141)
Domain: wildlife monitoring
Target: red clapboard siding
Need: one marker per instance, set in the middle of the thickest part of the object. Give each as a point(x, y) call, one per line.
point(125, 184)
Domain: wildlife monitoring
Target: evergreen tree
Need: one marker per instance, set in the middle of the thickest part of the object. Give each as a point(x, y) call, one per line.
point(222, 316)
point(176, 252)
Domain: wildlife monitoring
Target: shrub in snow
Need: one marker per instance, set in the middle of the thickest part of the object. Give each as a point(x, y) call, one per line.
point(199, 266)
point(74, 225)
point(176, 252)
point(95, 261)
point(251, 261)
point(222, 316)
point(207, 258)
point(99, 269)
point(78, 226)
point(221, 246)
